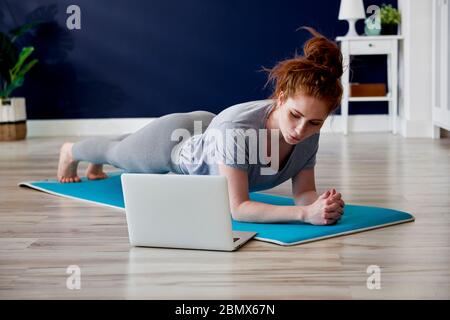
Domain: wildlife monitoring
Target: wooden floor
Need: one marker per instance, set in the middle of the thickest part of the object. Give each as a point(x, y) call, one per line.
point(41, 235)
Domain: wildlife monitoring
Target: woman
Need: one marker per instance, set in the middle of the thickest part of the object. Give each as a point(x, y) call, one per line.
point(286, 128)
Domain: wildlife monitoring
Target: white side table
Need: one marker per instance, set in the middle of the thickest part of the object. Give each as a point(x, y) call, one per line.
point(371, 45)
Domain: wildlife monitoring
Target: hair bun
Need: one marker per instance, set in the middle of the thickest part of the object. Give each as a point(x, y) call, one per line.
point(325, 54)
point(316, 73)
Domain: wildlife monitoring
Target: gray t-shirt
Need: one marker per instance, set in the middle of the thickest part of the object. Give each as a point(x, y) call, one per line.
point(227, 140)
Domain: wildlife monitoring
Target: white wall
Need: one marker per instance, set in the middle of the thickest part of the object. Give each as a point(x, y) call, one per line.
point(415, 74)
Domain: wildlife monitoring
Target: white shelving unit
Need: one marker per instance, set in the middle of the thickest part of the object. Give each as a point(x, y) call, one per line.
point(371, 45)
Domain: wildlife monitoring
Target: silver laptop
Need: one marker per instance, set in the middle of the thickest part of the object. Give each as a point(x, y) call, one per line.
point(180, 211)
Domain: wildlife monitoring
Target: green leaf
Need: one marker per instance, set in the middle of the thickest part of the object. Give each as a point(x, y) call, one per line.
point(20, 31)
point(24, 54)
point(17, 73)
point(27, 67)
point(18, 82)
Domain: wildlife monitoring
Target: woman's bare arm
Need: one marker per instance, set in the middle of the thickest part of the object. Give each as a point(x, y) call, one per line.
point(304, 187)
point(243, 209)
point(326, 209)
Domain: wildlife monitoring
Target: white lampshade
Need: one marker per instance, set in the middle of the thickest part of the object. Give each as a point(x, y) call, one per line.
point(351, 9)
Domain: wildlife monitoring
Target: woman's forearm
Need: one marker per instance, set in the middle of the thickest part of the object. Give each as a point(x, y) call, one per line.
point(306, 198)
point(253, 211)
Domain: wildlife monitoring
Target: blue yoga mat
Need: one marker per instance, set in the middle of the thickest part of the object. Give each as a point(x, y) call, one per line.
point(356, 218)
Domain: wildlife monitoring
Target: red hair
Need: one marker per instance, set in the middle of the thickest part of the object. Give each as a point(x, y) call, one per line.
point(317, 73)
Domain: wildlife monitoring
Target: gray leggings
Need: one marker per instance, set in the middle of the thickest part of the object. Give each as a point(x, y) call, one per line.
point(147, 150)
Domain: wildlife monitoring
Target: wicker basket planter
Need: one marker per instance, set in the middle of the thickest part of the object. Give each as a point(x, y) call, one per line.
point(13, 118)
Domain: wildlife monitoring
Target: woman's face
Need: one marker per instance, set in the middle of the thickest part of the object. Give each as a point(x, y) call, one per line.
point(300, 117)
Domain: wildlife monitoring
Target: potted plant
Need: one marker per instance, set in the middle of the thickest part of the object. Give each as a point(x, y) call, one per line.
point(390, 19)
point(14, 64)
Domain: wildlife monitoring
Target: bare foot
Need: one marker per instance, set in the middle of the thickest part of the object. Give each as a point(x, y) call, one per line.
point(67, 167)
point(95, 172)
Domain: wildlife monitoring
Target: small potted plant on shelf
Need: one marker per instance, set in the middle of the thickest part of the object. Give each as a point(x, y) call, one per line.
point(390, 19)
point(14, 64)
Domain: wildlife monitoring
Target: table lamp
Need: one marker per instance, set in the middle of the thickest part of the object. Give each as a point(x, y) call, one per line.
point(351, 10)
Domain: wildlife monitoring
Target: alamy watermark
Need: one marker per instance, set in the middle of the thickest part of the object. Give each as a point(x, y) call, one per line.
point(374, 20)
point(230, 146)
point(73, 281)
point(73, 21)
point(374, 280)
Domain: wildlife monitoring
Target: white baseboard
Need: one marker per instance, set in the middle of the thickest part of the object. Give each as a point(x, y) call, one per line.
point(117, 126)
point(358, 123)
point(415, 129)
point(84, 127)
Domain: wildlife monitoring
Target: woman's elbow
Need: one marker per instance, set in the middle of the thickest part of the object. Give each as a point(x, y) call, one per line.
point(237, 212)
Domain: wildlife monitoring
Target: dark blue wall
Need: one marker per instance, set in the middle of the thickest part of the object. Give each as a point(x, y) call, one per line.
point(147, 58)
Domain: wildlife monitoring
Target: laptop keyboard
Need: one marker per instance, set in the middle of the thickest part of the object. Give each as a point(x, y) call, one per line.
point(235, 239)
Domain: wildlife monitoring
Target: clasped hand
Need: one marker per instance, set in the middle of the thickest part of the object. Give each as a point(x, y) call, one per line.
point(326, 210)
